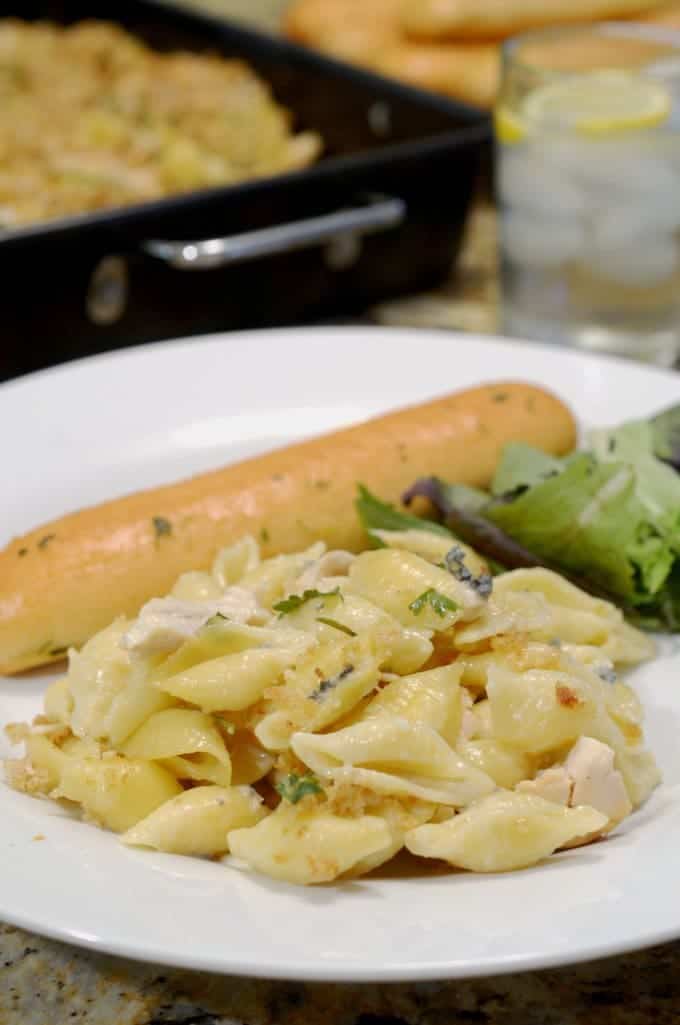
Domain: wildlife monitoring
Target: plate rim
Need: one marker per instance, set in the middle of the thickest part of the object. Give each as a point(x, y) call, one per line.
point(217, 338)
point(347, 973)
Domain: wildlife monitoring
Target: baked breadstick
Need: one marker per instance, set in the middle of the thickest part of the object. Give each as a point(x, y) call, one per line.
point(467, 71)
point(368, 32)
point(350, 29)
point(63, 582)
point(497, 19)
point(668, 15)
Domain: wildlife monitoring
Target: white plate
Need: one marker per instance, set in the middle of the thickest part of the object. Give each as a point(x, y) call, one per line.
point(99, 427)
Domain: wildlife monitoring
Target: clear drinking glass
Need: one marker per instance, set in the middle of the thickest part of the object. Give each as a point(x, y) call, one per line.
point(588, 185)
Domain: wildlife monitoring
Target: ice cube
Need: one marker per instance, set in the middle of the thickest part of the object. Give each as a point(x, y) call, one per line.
point(527, 181)
point(623, 225)
point(668, 144)
point(630, 167)
point(649, 261)
point(543, 241)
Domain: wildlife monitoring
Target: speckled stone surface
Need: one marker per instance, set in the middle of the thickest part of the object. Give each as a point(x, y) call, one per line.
point(47, 983)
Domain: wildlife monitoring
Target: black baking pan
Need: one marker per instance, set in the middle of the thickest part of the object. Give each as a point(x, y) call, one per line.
point(380, 214)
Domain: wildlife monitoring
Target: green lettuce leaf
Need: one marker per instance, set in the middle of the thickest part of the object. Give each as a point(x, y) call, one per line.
point(666, 436)
point(522, 466)
point(657, 485)
point(592, 519)
point(460, 496)
point(377, 515)
point(664, 612)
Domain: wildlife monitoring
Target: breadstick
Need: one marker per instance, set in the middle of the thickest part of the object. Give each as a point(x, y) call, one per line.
point(467, 71)
point(668, 15)
point(355, 30)
point(497, 19)
point(368, 32)
point(63, 582)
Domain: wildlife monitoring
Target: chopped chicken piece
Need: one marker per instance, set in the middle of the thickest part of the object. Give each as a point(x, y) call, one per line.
point(596, 782)
point(165, 623)
point(587, 777)
point(551, 784)
point(323, 570)
point(241, 606)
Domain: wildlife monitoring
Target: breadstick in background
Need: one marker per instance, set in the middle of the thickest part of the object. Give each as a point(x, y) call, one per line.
point(368, 32)
point(668, 15)
point(467, 71)
point(497, 19)
point(356, 30)
point(63, 582)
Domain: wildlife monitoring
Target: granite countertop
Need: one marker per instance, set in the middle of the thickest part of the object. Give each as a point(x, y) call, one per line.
point(47, 983)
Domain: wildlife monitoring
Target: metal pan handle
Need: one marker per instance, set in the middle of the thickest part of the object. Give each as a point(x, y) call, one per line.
point(379, 214)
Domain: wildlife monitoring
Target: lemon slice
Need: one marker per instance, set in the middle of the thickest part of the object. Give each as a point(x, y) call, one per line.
point(509, 126)
point(598, 104)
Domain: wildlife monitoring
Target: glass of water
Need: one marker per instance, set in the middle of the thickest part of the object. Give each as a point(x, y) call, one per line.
point(588, 184)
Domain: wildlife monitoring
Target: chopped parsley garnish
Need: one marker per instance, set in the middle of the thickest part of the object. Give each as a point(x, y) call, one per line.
point(161, 526)
point(454, 562)
point(44, 541)
point(264, 535)
point(336, 626)
point(438, 602)
point(215, 620)
point(295, 601)
point(22, 552)
point(293, 787)
point(327, 685)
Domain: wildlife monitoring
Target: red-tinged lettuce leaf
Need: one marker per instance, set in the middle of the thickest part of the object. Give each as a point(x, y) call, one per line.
point(446, 497)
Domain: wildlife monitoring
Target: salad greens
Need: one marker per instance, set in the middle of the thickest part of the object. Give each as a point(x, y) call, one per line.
point(377, 515)
point(522, 466)
point(666, 436)
point(606, 517)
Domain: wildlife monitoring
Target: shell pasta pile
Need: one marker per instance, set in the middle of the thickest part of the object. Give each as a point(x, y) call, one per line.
point(91, 119)
point(312, 714)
